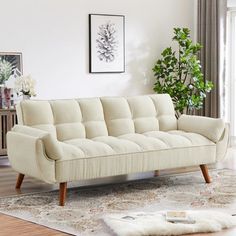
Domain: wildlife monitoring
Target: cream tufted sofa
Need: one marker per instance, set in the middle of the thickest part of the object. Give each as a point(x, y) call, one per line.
point(65, 140)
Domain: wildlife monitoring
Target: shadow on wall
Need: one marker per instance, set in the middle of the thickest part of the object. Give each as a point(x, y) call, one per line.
point(139, 69)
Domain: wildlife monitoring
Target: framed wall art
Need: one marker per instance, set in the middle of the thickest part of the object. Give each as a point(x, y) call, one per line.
point(10, 67)
point(107, 43)
point(15, 60)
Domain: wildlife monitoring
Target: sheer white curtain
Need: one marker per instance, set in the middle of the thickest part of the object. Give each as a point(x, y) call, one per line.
point(229, 112)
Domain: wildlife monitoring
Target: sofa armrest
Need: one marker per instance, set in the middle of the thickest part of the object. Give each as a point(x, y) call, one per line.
point(27, 156)
point(208, 127)
point(53, 148)
point(223, 144)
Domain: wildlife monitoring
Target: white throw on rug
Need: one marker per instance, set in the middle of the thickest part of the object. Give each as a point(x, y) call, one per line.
point(154, 223)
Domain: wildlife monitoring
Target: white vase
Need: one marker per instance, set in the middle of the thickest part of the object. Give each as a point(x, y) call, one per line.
point(26, 97)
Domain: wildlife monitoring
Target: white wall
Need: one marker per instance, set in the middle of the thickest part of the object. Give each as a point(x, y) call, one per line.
point(231, 3)
point(53, 37)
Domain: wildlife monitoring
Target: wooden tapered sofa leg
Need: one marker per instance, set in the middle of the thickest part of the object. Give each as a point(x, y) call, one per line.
point(62, 193)
point(156, 173)
point(205, 173)
point(19, 180)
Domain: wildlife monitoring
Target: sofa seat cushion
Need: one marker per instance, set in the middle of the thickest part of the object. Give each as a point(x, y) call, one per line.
point(107, 156)
point(90, 148)
point(178, 138)
point(156, 140)
point(132, 143)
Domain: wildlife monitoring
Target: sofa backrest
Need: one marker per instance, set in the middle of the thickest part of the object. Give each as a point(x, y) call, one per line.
point(93, 117)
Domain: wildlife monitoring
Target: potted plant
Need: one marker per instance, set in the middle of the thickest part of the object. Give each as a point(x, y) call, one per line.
point(179, 74)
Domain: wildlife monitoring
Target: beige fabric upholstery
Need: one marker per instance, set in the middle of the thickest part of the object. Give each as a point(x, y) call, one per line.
point(51, 129)
point(36, 112)
point(26, 154)
point(118, 116)
point(150, 148)
point(165, 112)
point(222, 145)
point(67, 119)
point(208, 127)
point(103, 166)
point(93, 117)
point(52, 146)
point(143, 113)
point(65, 140)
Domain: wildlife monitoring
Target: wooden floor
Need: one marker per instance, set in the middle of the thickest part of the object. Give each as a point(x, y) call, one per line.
point(13, 226)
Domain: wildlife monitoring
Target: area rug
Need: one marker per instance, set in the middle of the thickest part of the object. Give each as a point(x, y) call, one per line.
point(85, 207)
point(146, 224)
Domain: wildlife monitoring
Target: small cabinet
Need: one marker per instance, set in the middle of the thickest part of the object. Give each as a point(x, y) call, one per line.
point(7, 120)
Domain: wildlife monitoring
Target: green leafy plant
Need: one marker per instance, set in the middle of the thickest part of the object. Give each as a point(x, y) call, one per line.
point(179, 74)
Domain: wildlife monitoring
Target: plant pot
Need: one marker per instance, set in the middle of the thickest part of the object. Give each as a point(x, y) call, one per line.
point(26, 97)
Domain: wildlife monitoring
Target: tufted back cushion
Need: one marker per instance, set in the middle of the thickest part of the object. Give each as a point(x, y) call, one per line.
point(37, 114)
point(118, 116)
point(93, 117)
point(68, 119)
point(165, 112)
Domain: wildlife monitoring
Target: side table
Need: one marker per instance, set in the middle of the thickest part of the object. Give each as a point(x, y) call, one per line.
point(8, 119)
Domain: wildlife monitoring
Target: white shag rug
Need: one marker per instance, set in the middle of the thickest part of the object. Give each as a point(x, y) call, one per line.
point(141, 224)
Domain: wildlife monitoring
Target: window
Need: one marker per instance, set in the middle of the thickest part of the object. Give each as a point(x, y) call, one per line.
point(230, 108)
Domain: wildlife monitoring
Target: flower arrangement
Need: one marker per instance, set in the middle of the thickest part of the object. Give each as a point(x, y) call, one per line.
point(6, 70)
point(25, 85)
